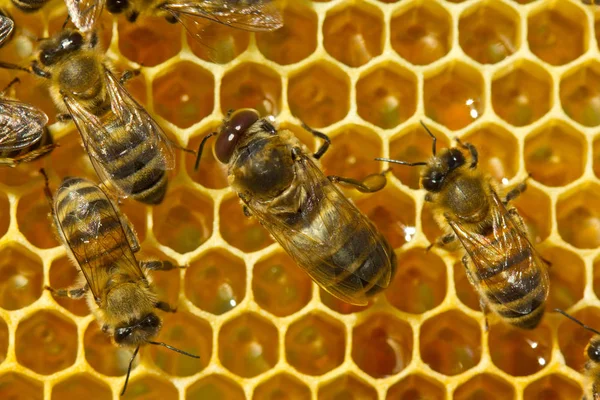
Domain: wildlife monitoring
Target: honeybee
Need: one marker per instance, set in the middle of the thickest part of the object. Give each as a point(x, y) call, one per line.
point(508, 273)
point(101, 242)
point(7, 26)
point(281, 184)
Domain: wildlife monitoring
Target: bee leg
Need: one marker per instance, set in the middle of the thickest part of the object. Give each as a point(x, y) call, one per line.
point(472, 150)
point(10, 84)
point(246, 211)
point(32, 155)
point(70, 293)
point(64, 117)
point(164, 306)
point(129, 74)
point(38, 71)
point(516, 191)
point(159, 265)
point(13, 66)
point(442, 241)
point(370, 184)
point(320, 135)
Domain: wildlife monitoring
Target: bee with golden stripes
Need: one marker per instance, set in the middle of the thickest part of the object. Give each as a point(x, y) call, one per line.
point(102, 243)
point(282, 185)
point(508, 273)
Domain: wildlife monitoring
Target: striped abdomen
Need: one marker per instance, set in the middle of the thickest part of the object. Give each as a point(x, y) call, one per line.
point(29, 6)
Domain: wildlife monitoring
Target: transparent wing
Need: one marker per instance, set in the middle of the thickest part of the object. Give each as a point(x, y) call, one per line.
point(85, 13)
point(506, 264)
point(21, 125)
point(6, 28)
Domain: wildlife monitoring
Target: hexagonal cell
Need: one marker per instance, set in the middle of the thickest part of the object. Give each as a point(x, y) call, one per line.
point(189, 333)
point(382, 345)
point(33, 218)
point(16, 387)
point(21, 275)
point(421, 34)
point(485, 386)
point(555, 386)
point(211, 172)
point(184, 220)
point(102, 354)
point(319, 94)
point(150, 41)
point(346, 387)
point(488, 33)
point(520, 352)
point(578, 216)
point(416, 387)
point(498, 151)
point(353, 34)
point(215, 387)
point(216, 282)
point(63, 274)
point(580, 96)
point(338, 305)
point(179, 102)
point(150, 388)
point(454, 95)
point(464, 289)
point(245, 233)
point(219, 43)
point(251, 85)
point(293, 42)
point(387, 95)
point(46, 342)
point(522, 94)
point(420, 283)
point(280, 286)
point(450, 343)
point(552, 164)
point(556, 34)
point(567, 283)
point(282, 387)
point(248, 345)
point(534, 207)
point(315, 344)
point(573, 339)
point(81, 386)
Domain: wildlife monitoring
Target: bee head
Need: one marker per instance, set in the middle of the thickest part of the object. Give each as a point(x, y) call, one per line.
point(117, 6)
point(138, 332)
point(232, 130)
point(65, 43)
point(437, 171)
point(593, 349)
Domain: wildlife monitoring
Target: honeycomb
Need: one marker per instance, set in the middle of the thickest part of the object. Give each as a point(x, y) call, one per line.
point(519, 79)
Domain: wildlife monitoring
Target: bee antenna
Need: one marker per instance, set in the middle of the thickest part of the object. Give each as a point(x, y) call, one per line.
point(432, 136)
point(410, 164)
point(129, 370)
point(201, 148)
point(578, 322)
point(173, 348)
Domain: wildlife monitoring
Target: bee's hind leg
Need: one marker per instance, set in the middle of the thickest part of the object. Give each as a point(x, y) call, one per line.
point(370, 184)
point(442, 241)
point(70, 293)
point(320, 135)
point(128, 75)
point(246, 211)
point(516, 191)
point(472, 150)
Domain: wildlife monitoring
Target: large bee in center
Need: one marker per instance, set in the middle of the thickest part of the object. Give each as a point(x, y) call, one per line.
point(281, 184)
point(509, 274)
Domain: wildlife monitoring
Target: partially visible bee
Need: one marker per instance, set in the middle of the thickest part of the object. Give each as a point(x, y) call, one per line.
point(101, 242)
point(281, 184)
point(29, 6)
point(7, 27)
point(508, 273)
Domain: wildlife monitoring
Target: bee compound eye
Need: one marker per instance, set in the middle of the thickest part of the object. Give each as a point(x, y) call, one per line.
point(231, 132)
point(593, 351)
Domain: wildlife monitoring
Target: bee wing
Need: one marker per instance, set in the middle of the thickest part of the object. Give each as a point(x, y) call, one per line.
point(84, 13)
point(21, 124)
point(506, 264)
point(6, 28)
point(250, 15)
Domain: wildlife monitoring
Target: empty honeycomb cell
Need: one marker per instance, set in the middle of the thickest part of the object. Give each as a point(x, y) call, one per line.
point(211, 172)
point(573, 339)
point(150, 388)
point(315, 344)
point(488, 33)
point(579, 94)
point(420, 283)
point(567, 277)
point(33, 217)
point(102, 354)
point(346, 387)
point(149, 41)
point(556, 33)
point(248, 345)
point(421, 34)
point(21, 276)
point(280, 286)
point(319, 94)
point(382, 345)
point(485, 386)
point(353, 35)
point(69, 159)
point(184, 220)
point(295, 40)
point(3, 340)
point(179, 102)
point(64, 274)
point(81, 386)
point(578, 216)
point(393, 213)
point(245, 233)
point(251, 85)
point(429, 226)
point(338, 305)
point(413, 145)
point(522, 94)
point(386, 95)
point(216, 282)
point(136, 216)
point(217, 42)
point(553, 387)
point(535, 208)
point(416, 387)
point(553, 164)
point(450, 343)
point(498, 151)
point(453, 96)
point(186, 332)
point(15, 386)
point(465, 291)
point(282, 387)
point(215, 387)
point(46, 342)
